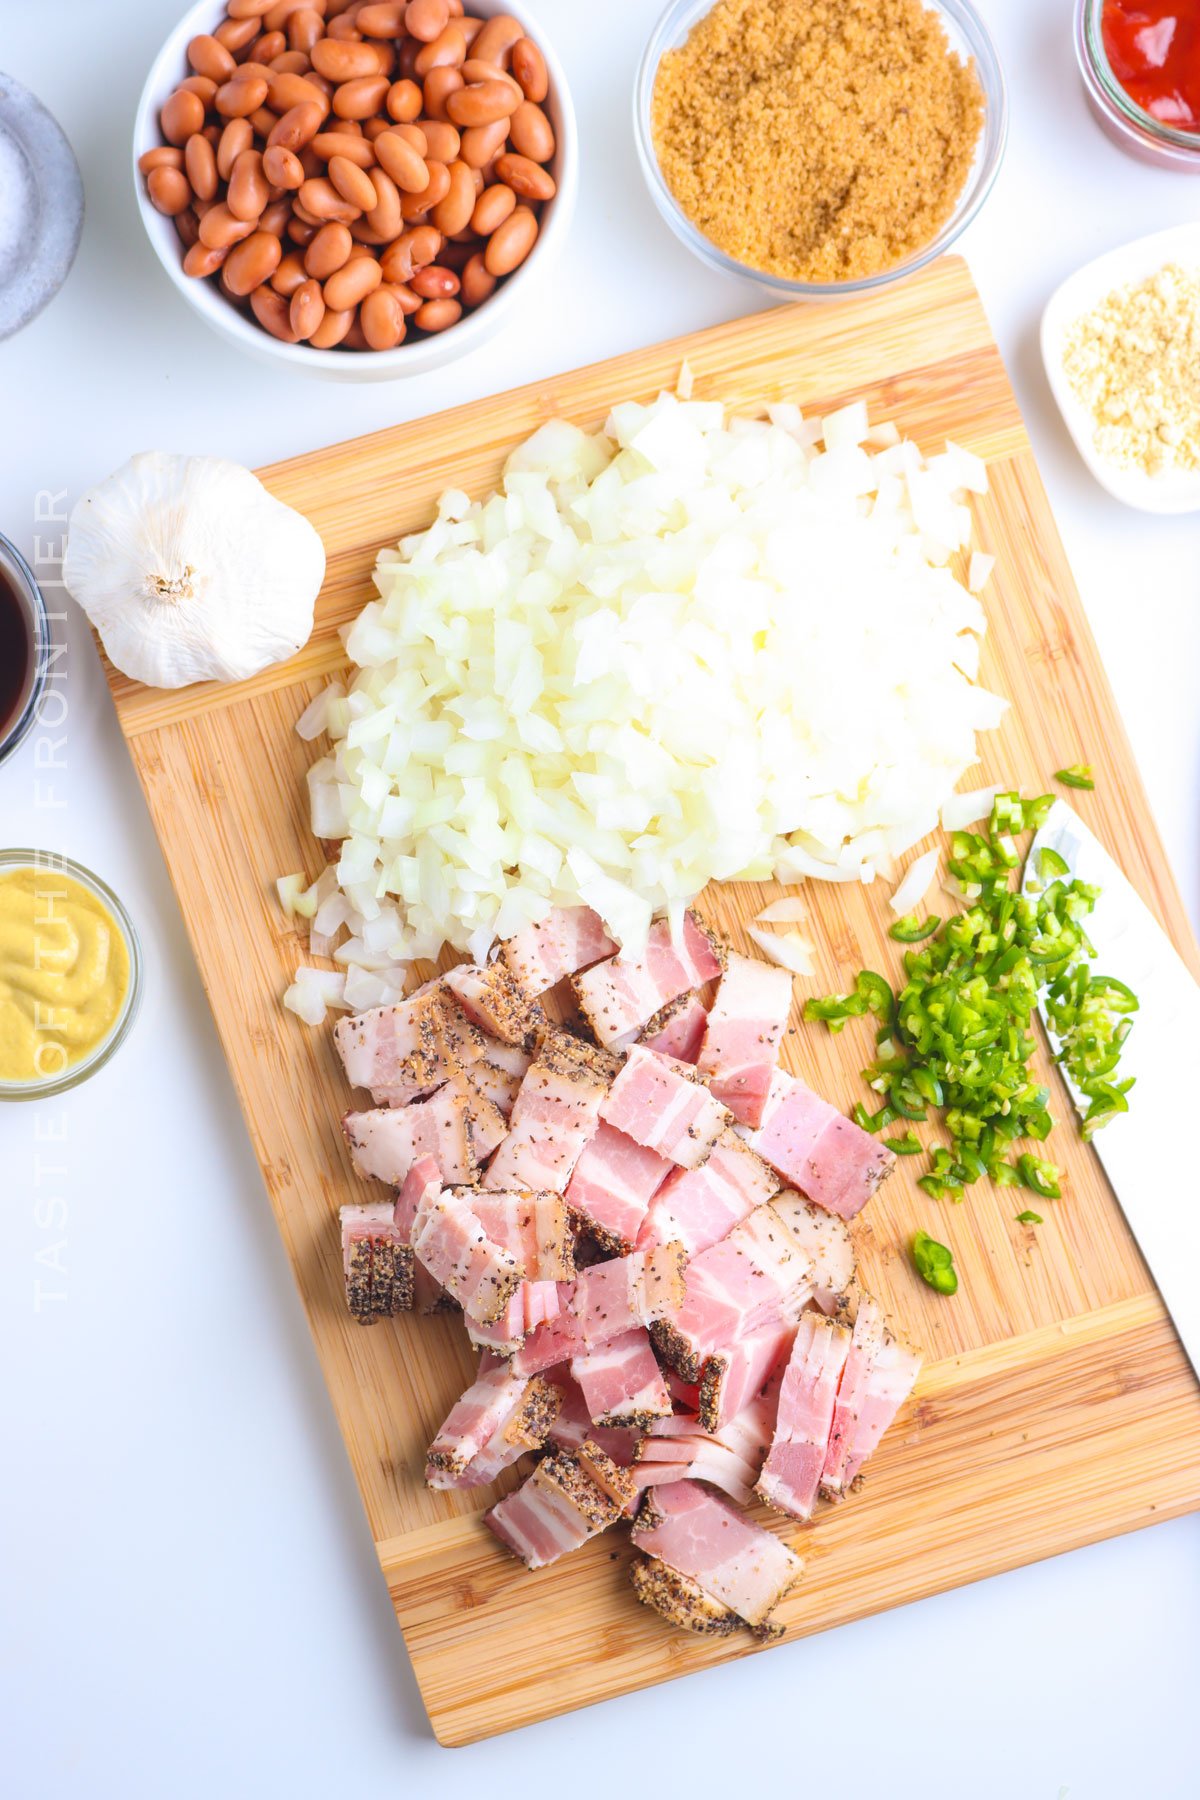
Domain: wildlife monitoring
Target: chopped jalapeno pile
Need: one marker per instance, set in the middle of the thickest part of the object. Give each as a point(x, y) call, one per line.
point(956, 1039)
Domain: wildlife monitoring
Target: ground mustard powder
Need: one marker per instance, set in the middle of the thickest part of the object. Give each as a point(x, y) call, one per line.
point(817, 139)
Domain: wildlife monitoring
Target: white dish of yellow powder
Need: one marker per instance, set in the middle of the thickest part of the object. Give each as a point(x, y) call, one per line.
point(1121, 344)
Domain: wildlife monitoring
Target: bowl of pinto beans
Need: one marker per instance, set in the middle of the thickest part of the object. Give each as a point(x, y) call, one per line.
point(361, 189)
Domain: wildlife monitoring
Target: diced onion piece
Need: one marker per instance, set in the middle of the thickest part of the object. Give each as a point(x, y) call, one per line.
point(787, 948)
point(961, 811)
point(315, 717)
point(915, 884)
point(789, 909)
point(292, 890)
point(313, 992)
point(979, 570)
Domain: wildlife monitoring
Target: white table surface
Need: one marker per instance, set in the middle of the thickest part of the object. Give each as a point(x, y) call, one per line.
point(189, 1600)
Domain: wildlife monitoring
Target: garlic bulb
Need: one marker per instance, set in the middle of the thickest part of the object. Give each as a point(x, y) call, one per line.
point(191, 571)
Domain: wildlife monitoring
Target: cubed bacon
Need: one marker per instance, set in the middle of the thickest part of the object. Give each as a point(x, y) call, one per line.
point(659, 1103)
point(455, 1125)
point(677, 1029)
point(401, 1052)
point(499, 1073)
point(733, 1561)
point(377, 1261)
point(698, 1207)
point(619, 996)
point(612, 1184)
point(680, 1601)
point(423, 1180)
point(816, 1148)
point(741, 1042)
point(495, 1002)
point(504, 1334)
point(748, 1433)
point(791, 1475)
point(535, 1227)
point(694, 1458)
point(615, 1297)
point(452, 1244)
point(825, 1240)
point(568, 939)
point(621, 1381)
point(743, 1368)
point(555, 1114)
point(555, 1340)
point(573, 1424)
point(498, 1419)
point(878, 1377)
point(756, 1277)
point(561, 1505)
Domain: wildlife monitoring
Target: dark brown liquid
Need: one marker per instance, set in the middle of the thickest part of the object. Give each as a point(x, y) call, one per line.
point(16, 653)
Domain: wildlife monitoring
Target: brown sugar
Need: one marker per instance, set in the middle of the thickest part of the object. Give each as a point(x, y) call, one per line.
point(817, 139)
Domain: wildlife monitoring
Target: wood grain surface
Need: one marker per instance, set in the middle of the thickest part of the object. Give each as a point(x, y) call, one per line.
point(1056, 1406)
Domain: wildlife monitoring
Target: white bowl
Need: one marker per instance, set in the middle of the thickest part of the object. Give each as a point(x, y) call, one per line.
point(1175, 490)
point(410, 358)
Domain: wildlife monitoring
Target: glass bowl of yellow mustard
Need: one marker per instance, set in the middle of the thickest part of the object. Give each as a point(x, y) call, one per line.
point(70, 974)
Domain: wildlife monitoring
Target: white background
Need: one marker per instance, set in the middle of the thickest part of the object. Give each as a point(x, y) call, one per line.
point(189, 1601)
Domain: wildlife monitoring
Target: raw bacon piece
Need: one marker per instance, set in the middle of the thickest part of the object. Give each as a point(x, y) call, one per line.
point(677, 1029)
point(660, 1104)
point(423, 1179)
point(612, 1298)
point(494, 1000)
point(827, 1156)
point(680, 1601)
point(825, 1240)
point(741, 1042)
point(499, 1073)
point(619, 996)
point(555, 1114)
point(791, 1475)
point(400, 1052)
point(698, 1207)
point(622, 1383)
point(732, 1561)
point(573, 1425)
point(455, 1125)
point(561, 1505)
point(500, 1416)
point(612, 1184)
point(734, 1375)
point(377, 1261)
point(554, 1341)
point(694, 1455)
point(566, 940)
point(535, 1227)
point(756, 1277)
point(877, 1379)
point(451, 1243)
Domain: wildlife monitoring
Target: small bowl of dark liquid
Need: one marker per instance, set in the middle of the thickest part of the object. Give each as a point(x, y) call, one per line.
point(24, 647)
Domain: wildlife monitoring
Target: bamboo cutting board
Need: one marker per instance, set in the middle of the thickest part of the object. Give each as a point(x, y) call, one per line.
point(1055, 1407)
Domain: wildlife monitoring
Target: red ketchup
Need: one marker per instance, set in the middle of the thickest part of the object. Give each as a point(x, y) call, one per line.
point(1153, 49)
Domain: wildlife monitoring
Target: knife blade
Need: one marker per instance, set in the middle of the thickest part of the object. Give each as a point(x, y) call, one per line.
point(1144, 1151)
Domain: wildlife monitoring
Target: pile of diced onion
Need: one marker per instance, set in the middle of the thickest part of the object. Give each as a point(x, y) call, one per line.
point(685, 648)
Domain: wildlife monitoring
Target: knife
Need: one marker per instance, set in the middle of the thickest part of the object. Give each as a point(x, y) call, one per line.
point(1144, 1151)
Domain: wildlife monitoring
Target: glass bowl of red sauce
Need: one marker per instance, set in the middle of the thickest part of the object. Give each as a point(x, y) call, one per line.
point(1140, 61)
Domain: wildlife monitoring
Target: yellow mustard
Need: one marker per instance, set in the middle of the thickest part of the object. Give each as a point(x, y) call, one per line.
point(64, 973)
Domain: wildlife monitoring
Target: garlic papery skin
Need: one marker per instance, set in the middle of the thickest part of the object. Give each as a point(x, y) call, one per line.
point(191, 571)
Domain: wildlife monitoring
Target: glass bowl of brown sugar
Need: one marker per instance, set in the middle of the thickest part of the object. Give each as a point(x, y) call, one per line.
point(819, 147)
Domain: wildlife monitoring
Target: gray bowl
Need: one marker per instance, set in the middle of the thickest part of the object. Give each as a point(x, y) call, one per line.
point(41, 206)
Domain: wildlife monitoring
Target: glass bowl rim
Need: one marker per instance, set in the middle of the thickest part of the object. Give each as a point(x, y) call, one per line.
point(1098, 73)
point(681, 14)
point(55, 861)
point(22, 724)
